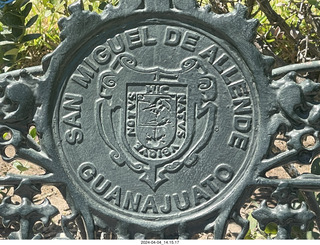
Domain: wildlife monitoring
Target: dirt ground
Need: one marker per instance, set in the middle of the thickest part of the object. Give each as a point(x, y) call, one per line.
point(52, 193)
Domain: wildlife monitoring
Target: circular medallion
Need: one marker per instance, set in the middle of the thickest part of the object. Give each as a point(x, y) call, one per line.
point(156, 119)
point(148, 115)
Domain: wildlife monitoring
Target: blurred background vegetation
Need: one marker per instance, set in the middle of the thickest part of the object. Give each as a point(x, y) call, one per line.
point(289, 29)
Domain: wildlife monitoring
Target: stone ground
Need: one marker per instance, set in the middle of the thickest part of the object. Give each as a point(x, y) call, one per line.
point(56, 199)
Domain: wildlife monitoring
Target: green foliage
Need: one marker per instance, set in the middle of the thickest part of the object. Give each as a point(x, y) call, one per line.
point(49, 12)
point(255, 233)
point(33, 133)
point(289, 29)
point(297, 40)
point(14, 22)
point(270, 232)
point(98, 5)
point(315, 3)
point(20, 166)
point(309, 234)
point(6, 136)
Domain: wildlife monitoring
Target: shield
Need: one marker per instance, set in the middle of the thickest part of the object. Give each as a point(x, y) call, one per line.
point(156, 125)
point(152, 126)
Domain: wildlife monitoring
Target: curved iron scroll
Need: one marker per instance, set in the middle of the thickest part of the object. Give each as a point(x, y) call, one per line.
point(229, 68)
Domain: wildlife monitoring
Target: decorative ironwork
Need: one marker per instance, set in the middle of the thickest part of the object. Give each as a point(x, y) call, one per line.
point(157, 118)
point(26, 213)
point(283, 214)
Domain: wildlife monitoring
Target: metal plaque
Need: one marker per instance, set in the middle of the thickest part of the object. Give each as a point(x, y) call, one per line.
point(145, 115)
point(155, 117)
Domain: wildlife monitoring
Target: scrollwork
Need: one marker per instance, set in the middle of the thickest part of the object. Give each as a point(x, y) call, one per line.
point(19, 103)
point(188, 64)
point(128, 60)
point(17, 100)
point(20, 98)
point(298, 114)
point(205, 83)
point(283, 214)
point(26, 213)
point(302, 108)
point(107, 82)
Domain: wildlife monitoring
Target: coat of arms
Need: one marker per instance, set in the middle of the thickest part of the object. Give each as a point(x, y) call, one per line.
point(151, 128)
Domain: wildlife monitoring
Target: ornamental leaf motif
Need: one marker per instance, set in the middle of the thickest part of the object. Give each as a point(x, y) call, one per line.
point(283, 214)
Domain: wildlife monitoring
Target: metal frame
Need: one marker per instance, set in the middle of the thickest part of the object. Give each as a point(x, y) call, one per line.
point(29, 97)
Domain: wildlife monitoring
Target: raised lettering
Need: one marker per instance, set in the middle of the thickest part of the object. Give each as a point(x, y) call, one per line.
point(186, 203)
point(114, 194)
point(239, 141)
point(116, 44)
point(208, 182)
point(238, 89)
point(228, 73)
point(132, 97)
point(181, 109)
point(72, 102)
point(146, 39)
point(243, 123)
point(87, 171)
point(181, 134)
point(72, 119)
point(131, 130)
point(91, 64)
point(242, 106)
point(85, 76)
point(134, 202)
point(166, 152)
point(172, 36)
point(198, 194)
point(133, 38)
point(190, 41)
point(157, 89)
point(101, 55)
point(149, 203)
point(224, 173)
point(100, 185)
point(131, 105)
point(220, 62)
point(166, 208)
point(182, 99)
point(182, 116)
point(210, 53)
point(74, 136)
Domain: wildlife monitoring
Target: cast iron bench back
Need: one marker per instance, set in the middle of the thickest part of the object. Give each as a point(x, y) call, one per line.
point(157, 119)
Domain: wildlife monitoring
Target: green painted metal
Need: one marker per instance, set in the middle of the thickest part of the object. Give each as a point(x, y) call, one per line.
point(157, 119)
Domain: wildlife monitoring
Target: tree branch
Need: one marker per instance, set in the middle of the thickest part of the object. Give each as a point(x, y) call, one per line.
point(274, 18)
